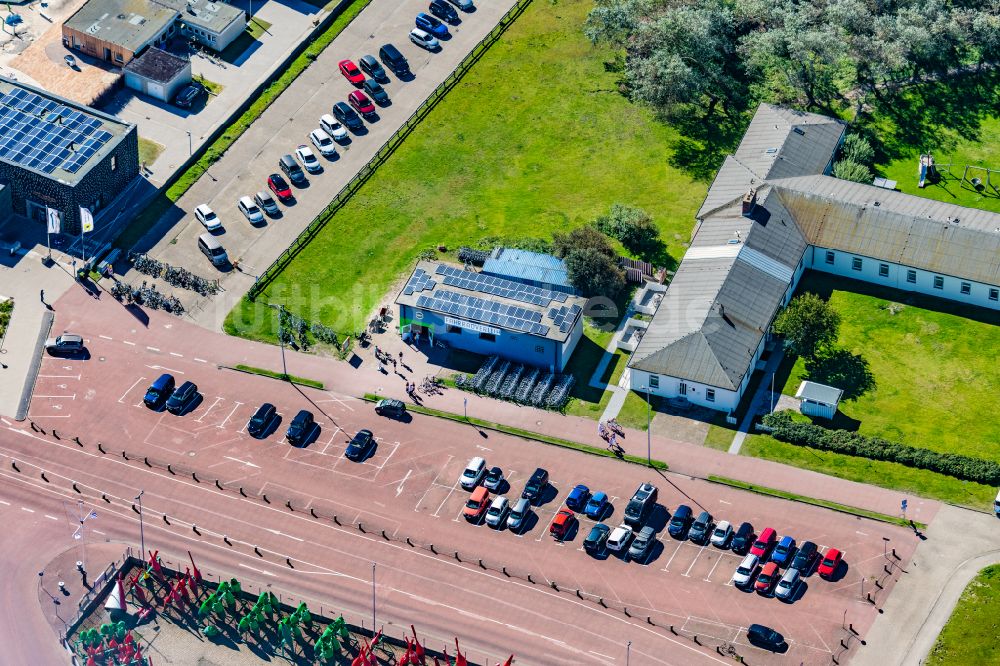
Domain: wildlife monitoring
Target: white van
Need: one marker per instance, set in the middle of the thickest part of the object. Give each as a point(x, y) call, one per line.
point(996, 505)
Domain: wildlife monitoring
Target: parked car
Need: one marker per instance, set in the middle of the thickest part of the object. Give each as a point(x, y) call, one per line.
point(767, 578)
point(518, 517)
point(577, 498)
point(496, 515)
point(701, 528)
point(620, 538)
point(332, 126)
point(464, 5)
point(597, 539)
point(376, 92)
point(390, 407)
point(182, 398)
point(762, 546)
point(213, 250)
point(361, 103)
point(279, 186)
point(159, 391)
point(473, 473)
point(679, 521)
point(443, 11)
point(323, 142)
point(207, 217)
point(642, 545)
point(292, 169)
point(476, 505)
point(370, 66)
point(493, 478)
point(535, 488)
point(641, 505)
point(766, 637)
point(804, 558)
point(394, 60)
point(746, 571)
point(784, 551)
point(597, 505)
point(831, 562)
point(742, 539)
point(266, 201)
point(250, 210)
point(261, 419)
point(562, 524)
point(428, 23)
point(360, 445)
point(351, 72)
point(67, 343)
point(722, 533)
point(300, 428)
point(787, 586)
point(424, 40)
point(308, 159)
point(186, 97)
point(346, 115)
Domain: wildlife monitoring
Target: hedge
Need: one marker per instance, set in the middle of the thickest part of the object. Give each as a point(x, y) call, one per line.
point(782, 427)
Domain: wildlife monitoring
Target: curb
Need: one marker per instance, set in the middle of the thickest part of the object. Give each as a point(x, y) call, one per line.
point(36, 363)
point(322, 386)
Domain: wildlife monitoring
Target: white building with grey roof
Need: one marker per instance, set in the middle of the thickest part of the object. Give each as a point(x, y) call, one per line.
point(774, 211)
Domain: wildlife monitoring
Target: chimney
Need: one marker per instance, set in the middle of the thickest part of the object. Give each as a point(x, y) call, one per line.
point(749, 201)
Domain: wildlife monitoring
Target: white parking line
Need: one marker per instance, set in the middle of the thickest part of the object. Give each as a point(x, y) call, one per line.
point(129, 343)
point(672, 556)
point(105, 337)
point(77, 377)
point(708, 578)
point(200, 360)
point(225, 420)
point(71, 397)
point(122, 399)
point(24, 508)
point(5, 502)
point(446, 498)
point(688, 572)
point(433, 483)
point(51, 517)
point(156, 349)
point(177, 355)
point(217, 401)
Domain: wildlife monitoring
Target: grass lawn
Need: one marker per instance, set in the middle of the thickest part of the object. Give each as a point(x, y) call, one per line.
point(511, 151)
point(149, 150)
point(212, 87)
point(935, 386)
point(720, 436)
point(970, 637)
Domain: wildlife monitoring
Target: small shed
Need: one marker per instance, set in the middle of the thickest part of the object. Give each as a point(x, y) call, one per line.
point(818, 399)
point(159, 74)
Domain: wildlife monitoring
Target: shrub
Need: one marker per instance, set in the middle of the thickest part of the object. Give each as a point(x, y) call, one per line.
point(857, 149)
point(850, 170)
point(632, 227)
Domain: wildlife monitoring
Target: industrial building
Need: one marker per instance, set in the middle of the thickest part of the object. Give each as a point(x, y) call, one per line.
point(490, 315)
point(773, 212)
point(159, 74)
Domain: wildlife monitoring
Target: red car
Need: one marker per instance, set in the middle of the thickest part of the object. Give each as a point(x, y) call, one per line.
point(361, 103)
point(279, 186)
point(764, 543)
point(562, 524)
point(767, 578)
point(831, 561)
point(351, 72)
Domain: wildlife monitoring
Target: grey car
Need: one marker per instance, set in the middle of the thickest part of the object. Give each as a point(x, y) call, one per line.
point(788, 585)
point(642, 546)
point(701, 528)
point(266, 201)
point(370, 65)
point(67, 343)
point(517, 519)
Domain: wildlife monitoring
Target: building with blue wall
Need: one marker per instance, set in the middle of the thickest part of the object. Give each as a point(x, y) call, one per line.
point(534, 268)
point(490, 315)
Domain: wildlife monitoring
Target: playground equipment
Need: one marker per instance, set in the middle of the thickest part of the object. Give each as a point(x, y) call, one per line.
point(926, 171)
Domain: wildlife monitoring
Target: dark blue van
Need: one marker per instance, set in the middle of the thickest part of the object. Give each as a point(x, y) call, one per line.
point(159, 391)
point(680, 521)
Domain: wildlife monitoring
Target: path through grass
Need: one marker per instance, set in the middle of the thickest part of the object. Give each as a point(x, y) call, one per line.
point(970, 637)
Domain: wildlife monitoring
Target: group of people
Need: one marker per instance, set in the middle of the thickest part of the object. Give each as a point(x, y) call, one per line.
point(609, 433)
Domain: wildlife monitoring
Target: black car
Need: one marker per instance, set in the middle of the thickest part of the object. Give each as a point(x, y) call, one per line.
point(679, 521)
point(642, 545)
point(444, 11)
point(159, 391)
point(300, 428)
point(372, 68)
point(805, 558)
point(766, 637)
point(536, 485)
point(394, 60)
point(597, 539)
point(701, 528)
point(641, 505)
point(343, 112)
point(360, 445)
point(186, 98)
point(292, 169)
point(390, 407)
point(376, 92)
point(742, 539)
point(261, 419)
point(182, 397)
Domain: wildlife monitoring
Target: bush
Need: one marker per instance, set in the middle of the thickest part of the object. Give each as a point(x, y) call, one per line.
point(582, 238)
point(857, 149)
point(875, 448)
point(594, 274)
point(632, 227)
point(850, 170)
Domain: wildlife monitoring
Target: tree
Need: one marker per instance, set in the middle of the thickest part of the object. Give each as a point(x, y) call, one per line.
point(808, 324)
point(851, 170)
point(857, 149)
point(633, 228)
point(582, 238)
point(594, 273)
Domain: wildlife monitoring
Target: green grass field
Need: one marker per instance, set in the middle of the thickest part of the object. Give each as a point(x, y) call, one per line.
point(149, 150)
point(513, 151)
point(970, 637)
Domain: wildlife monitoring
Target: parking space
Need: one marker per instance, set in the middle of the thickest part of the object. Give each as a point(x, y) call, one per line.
point(58, 389)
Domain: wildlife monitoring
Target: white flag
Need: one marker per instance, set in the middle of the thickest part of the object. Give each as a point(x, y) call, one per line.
point(86, 220)
point(53, 218)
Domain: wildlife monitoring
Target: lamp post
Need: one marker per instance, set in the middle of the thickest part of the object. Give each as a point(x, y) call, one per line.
point(628, 652)
point(373, 600)
point(142, 538)
point(649, 436)
point(190, 148)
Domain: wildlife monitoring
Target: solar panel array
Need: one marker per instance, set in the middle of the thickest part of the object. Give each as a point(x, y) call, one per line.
point(42, 134)
point(487, 284)
point(564, 317)
point(488, 312)
point(419, 281)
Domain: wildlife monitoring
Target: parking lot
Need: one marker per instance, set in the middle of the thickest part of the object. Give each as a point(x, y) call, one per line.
point(410, 486)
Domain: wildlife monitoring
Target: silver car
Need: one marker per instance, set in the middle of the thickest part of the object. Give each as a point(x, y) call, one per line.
point(496, 515)
point(464, 5)
point(250, 210)
point(722, 534)
point(518, 517)
point(424, 39)
point(788, 585)
point(323, 142)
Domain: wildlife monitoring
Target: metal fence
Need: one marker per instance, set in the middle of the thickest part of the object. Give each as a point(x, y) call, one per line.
point(383, 153)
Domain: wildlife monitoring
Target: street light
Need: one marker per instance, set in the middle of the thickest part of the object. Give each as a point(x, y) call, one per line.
point(190, 149)
point(142, 538)
point(649, 442)
point(373, 600)
point(628, 652)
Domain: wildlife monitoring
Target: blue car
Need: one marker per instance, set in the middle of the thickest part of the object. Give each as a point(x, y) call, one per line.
point(430, 24)
point(783, 552)
point(597, 505)
point(578, 497)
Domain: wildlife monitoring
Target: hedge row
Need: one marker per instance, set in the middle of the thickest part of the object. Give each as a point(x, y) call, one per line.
point(782, 427)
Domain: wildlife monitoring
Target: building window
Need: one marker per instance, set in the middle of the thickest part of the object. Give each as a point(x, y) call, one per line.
point(911, 277)
point(119, 58)
point(710, 395)
point(938, 282)
point(489, 337)
point(455, 330)
point(883, 270)
point(829, 257)
point(654, 381)
point(856, 263)
point(994, 294)
point(539, 349)
point(966, 288)
point(114, 162)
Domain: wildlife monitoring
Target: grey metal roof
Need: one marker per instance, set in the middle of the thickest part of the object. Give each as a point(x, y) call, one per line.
point(524, 265)
point(205, 14)
point(829, 395)
point(781, 142)
point(129, 23)
point(157, 65)
point(730, 184)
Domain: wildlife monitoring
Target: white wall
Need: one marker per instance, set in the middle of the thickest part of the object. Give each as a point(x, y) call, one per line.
point(669, 387)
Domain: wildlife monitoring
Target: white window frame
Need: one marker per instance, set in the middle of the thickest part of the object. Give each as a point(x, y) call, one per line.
point(857, 263)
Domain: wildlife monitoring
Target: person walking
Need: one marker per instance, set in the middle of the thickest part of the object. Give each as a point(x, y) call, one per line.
point(41, 296)
point(400, 355)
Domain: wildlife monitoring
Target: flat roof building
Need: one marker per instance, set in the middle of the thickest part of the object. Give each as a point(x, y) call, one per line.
point(158, 74)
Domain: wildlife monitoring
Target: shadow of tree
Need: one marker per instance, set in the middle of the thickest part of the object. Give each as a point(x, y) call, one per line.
point(704, 141)
point(843, 369)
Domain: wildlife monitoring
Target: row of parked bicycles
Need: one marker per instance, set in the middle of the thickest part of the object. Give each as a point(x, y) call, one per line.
point(173, 275)
point(148, 296)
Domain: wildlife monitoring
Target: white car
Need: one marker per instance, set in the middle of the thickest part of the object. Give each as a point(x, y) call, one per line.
point(207, 217)
point(464, 5)
point(308, 159)
point(250, 210)
point(722, 534)
point(746, 571)
point(620, 538)
point(473, 473)
point(323, 142)
point(788, 585)
point(331, 126)
point(496, 515)
point(424, 39)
